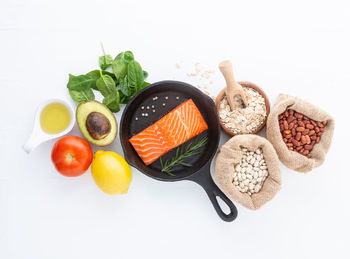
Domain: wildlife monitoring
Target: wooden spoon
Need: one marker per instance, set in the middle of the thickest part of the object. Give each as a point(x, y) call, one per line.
point(233, 88)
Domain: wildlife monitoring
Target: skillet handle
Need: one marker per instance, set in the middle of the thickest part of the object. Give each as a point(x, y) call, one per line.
point(203, 178)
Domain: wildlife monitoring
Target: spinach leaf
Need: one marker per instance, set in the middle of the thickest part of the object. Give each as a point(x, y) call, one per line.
point(77, 83)
point(145, 84)
point(106, 85)
point(131, 92)
point(105, 60)
point(119, 68)
point(112, 102)
point(95, 75)
point(124, 88)
point(120, 64)
point(82, 95)
point(127, 56)
point(105, 72)
point(145, 74)
point(135, 75)
point(117, 87)
point(122, 98)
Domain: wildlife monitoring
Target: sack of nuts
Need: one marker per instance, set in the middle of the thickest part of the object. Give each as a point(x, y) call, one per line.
point(300, 132)
point(247, 170)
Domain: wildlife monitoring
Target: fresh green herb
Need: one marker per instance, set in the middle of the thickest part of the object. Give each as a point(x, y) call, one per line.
point(118, 87)
point(135, 75)
point(129, 74)
point(95, 75)
point(82, 95)
point(78, 83)
point(124, 88)
point(106, 85)
point(79, 88)
point(145, 84)
point(145, 74)
point(107, 73)
point(120, 64)
point(112, 102)
point(181, 154)
point(126, 56)
point(105, 60)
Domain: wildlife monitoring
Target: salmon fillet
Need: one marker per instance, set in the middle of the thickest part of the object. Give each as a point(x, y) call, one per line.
point(181, 124)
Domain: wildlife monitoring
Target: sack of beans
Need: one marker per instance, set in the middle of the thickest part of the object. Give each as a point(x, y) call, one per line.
point(248, 170)
point(300, 132)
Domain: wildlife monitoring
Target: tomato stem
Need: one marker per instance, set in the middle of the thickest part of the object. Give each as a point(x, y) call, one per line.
point(70, 157)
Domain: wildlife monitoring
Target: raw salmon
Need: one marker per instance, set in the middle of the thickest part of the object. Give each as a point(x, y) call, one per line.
point(181, 124)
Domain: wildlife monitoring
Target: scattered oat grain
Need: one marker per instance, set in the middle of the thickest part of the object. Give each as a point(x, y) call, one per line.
point(207, 73)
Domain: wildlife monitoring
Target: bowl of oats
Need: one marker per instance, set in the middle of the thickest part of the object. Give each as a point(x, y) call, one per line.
point(244, 120)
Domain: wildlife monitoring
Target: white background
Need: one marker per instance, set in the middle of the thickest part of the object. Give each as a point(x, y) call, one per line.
point(296, 47)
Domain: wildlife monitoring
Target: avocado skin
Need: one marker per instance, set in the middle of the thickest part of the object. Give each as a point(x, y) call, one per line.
point(82, 112)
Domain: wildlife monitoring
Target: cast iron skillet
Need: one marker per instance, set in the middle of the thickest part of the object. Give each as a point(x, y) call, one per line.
point(156, 100)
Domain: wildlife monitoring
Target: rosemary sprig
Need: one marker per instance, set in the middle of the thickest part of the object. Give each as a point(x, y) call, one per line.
point(181, 154)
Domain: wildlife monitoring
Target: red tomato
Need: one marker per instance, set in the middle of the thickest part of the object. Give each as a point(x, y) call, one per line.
point(71, 156)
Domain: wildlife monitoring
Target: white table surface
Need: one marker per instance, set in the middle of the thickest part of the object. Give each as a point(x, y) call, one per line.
point(296, 47)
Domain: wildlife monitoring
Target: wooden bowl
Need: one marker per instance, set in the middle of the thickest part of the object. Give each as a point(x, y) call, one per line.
point(246, 84)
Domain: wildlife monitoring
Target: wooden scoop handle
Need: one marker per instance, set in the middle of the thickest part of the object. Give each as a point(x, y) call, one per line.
point(231, 84)
point(227, 71)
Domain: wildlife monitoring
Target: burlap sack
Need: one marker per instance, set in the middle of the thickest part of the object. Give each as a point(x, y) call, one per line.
point(292, 159)
point(230, 154)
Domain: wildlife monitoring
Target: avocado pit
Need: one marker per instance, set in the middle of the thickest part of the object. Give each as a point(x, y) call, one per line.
point(98, 125)
point(96, 122)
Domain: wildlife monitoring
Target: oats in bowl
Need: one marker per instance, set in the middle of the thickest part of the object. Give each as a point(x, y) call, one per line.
point(244, 120)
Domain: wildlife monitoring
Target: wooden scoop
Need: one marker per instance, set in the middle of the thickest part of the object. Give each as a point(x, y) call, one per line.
point(233, 88)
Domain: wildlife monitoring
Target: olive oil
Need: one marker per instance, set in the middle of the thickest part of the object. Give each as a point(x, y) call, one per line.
point(55, 118)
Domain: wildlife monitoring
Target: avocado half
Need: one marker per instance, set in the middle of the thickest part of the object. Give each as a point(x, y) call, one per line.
point(96, 122)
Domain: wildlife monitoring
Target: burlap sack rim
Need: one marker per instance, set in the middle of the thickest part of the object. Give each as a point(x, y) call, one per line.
point(286, 101)
point(224, 177)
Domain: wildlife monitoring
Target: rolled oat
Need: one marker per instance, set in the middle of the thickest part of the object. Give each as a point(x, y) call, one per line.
point(244, 120)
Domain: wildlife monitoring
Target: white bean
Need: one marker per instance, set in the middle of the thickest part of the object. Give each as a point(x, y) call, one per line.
point(251, 171)
point(257, 188)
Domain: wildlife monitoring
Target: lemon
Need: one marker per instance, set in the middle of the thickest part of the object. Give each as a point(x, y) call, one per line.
point(111, 172)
